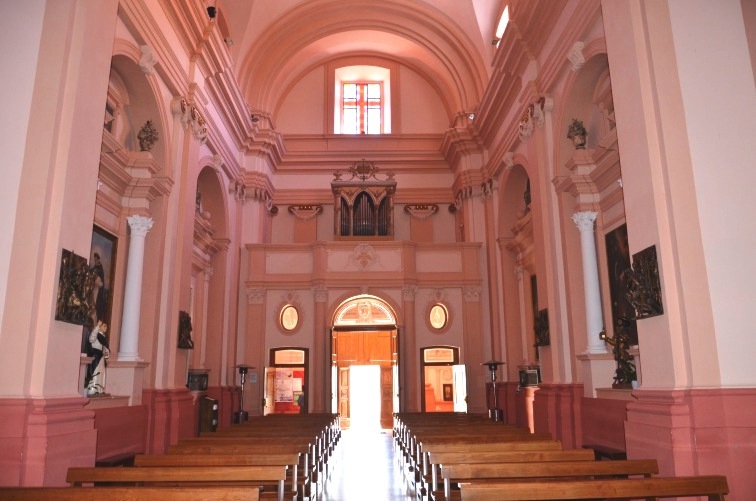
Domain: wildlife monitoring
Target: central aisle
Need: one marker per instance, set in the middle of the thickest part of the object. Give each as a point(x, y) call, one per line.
point(366, 469)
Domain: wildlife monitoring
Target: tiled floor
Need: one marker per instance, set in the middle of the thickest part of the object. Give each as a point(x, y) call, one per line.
point(366, 469)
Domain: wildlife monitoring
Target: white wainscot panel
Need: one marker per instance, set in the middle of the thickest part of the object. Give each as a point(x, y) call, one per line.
point(447, 261)
point(288, 262)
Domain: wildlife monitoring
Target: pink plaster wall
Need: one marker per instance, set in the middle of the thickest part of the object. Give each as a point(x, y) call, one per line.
point(697, 432)
point(42, 438)
point(121, 431)
point(603, 422)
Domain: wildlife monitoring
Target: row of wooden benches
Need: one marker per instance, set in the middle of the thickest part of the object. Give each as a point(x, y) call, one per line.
point(480, 460)
point(274, 457)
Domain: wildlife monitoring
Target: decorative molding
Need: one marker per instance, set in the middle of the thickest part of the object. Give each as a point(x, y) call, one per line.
point(217, 162)
point(519, 272)
point(472, 293)
point(239, 190)
point(575, 55)
point(364, 256)
point(533, 116)
point(320, 293)
point(139, 225)
point(584, 220)
point(438, 296)
point(488, 188)
point(290, 297)
point(409, 292)
point(191, 117)
point(508, 161)
point(255, 296)
point(363, 170)
point(421, 211)
point(305, 212)
point(148, 61)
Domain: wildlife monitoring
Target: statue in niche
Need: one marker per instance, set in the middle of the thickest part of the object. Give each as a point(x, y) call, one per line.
point(185, 331)
point(625, 373)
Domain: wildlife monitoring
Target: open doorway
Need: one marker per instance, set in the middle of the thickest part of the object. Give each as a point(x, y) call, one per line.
point(365, 397)
point(364, 335)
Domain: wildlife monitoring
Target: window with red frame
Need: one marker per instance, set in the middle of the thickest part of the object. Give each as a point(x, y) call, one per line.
point(361, 107)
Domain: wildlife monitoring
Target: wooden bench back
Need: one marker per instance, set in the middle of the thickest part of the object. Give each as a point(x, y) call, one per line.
point(255, 474)
point(261, 459)
point(242, 448)
point(715, 487)
point(463, 471)
point(510, 456)
point(226, 493)
point(464, 446)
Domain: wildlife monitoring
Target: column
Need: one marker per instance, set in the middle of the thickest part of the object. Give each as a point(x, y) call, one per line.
point(205, 300)
point(129, 347)
point(593, 318)
point(410, 355)
point(520, 274)
point(320, 361)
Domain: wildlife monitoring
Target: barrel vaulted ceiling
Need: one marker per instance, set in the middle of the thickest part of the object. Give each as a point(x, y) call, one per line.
point(275, 43)
point(277, 48)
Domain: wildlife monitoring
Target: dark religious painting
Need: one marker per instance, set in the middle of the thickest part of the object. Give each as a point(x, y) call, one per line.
point(102, 256)
point(618, 260)
point(75, 284)
point(644, 284)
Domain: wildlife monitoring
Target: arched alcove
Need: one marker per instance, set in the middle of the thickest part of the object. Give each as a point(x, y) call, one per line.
point(139, 104)
point(519, 262)
point(207, 281)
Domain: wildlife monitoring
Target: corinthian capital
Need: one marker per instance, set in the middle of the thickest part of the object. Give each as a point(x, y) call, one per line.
point(584, 220)
point(139, 225)
point(255, 296)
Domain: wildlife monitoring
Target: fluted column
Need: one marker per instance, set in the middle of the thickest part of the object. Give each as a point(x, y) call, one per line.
point(129, 347)
point(593, 317)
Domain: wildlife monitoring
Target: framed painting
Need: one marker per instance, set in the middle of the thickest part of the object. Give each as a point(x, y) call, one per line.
point(74, 289)
point(448, 393)
point(102, 259)
point(618, 260)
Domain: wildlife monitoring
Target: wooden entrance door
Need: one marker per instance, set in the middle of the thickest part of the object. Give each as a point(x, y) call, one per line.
point(365, 348)
point(344, 416)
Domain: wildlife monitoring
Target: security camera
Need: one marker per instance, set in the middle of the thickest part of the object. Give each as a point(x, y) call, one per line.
point(212, 12)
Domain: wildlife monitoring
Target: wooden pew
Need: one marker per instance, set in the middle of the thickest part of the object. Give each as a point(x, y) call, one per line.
point(307, 473)
point(202, 493)
point(253, 476)
point(715, 487)
point(438, 459)
point(291, 460)
point(475, 472)
point(417, 433)
point(421, 463)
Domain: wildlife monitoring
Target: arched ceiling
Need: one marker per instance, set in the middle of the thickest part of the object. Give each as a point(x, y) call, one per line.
point(276, 42)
